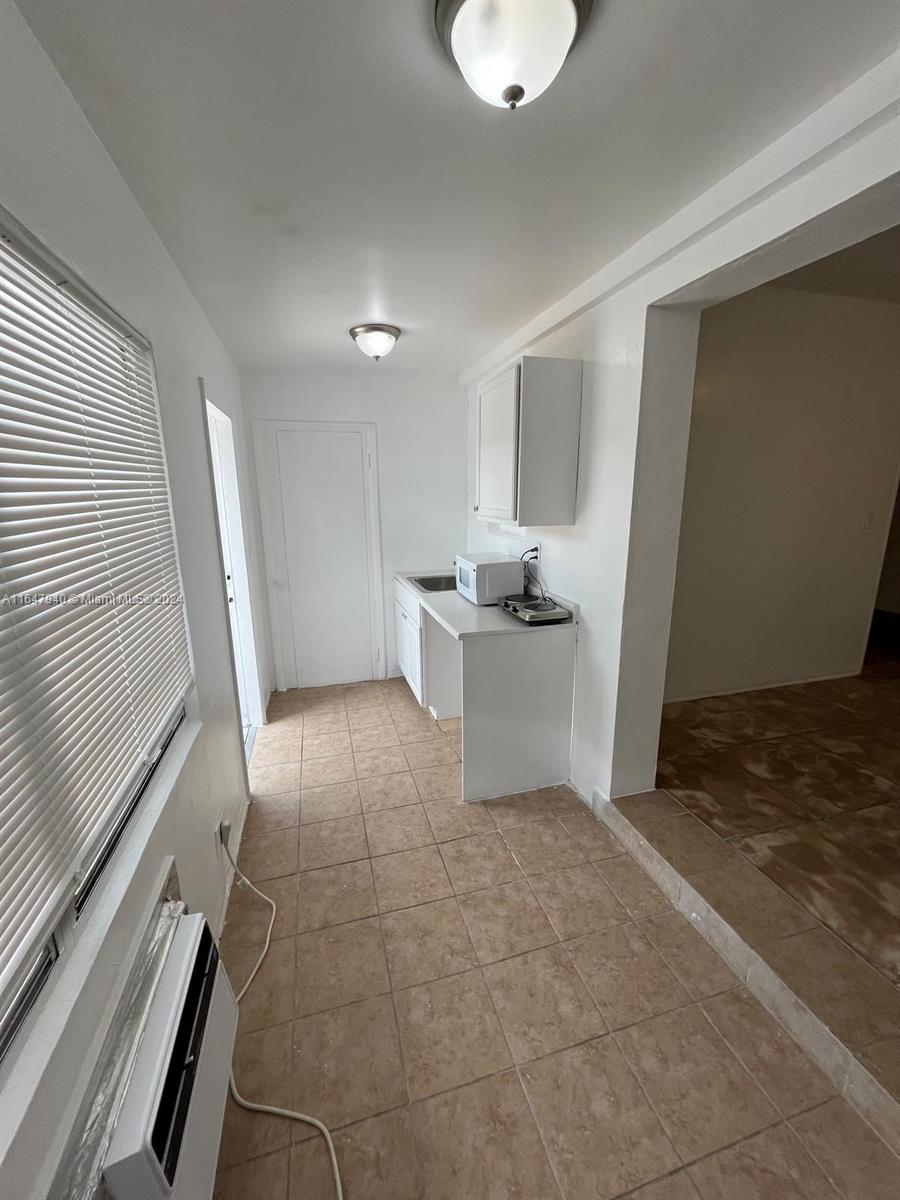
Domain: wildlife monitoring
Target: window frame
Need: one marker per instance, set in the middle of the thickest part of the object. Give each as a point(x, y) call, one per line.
point(28, 986)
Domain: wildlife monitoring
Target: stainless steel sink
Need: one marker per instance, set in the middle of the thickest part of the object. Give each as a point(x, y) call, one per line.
point(435, 583)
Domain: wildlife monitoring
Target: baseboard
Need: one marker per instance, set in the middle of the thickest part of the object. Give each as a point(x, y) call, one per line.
point(728, 690)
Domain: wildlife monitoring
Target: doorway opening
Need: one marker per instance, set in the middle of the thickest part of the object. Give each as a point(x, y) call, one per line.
point(235, 576)
point(779, 750)
point(883, 648)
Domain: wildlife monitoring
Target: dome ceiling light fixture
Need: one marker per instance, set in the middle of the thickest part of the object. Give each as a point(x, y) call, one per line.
point(510, 51)
point(375, 340)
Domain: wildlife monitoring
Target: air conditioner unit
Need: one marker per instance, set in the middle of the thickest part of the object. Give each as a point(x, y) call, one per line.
point(166, 1141)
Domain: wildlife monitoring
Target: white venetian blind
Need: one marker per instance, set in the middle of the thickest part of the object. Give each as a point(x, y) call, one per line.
point(94, 658)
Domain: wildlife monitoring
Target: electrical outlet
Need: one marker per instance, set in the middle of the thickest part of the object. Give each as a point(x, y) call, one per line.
point(519, 548)
point(223, 832)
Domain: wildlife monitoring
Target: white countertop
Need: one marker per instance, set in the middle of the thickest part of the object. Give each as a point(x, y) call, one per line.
point(460, 617)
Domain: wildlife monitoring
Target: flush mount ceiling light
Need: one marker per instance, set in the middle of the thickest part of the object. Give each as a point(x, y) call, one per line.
point(509, 51)
point(375, 340)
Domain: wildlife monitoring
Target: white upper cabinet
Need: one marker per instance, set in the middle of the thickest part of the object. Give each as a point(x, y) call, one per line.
point(529, 418)
point(498, 439)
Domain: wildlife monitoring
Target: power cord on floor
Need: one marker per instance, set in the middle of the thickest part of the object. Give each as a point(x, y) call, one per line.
point(235, 1094)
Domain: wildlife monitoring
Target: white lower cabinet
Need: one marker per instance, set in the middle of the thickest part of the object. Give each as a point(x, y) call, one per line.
point(409, 648)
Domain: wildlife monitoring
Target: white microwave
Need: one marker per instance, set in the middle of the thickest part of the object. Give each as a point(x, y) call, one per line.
point(487, 578)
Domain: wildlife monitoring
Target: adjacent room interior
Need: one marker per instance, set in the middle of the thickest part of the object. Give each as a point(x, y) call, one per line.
point(449, 600)
point(780, 730)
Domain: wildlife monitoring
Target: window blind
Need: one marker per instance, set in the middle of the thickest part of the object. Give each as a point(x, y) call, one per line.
point(94, 656)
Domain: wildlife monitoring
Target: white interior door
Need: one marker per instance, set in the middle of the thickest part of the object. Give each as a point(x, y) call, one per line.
point(323, 549)
point(216, 456)
point(234, 564)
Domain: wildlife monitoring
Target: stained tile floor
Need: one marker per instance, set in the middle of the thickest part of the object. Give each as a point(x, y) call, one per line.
point(804, 782)
point(488, 1002)
point(784, 813)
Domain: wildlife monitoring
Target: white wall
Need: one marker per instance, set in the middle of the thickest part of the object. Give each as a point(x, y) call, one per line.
point(58, 181)
point(420, 421)
point(791, 477)
point(823, 185)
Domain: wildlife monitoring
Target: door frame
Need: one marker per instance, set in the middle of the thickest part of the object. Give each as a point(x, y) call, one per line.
point(284, 648)
point(218, 425)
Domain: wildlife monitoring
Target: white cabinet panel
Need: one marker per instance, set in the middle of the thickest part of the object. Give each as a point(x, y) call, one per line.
point(400, 636)
point(529, 419)
point(409, 648)
point(498, 446)
point(414, 658)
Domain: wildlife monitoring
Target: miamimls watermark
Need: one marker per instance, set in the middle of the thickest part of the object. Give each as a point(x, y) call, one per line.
point(90, 599)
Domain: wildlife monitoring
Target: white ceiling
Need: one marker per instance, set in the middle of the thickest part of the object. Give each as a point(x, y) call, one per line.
point(311, 164)
point(870, 270)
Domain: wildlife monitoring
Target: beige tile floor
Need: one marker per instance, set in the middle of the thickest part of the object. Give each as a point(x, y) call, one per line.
point(492, 1002)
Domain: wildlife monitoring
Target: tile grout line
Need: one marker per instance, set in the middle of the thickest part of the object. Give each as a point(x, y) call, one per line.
point(751, 1075)
point(782, 1121)
point(560, 941)
point(611, 1028)
point(661, 951)
point(517, 1068)
point(689, 1162)
point(540, 1132)
point(643, 1091)
point(785, 1116)
point(403, 1065)
point(633, 1192)
point(792, 1132)
point(629, 919)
